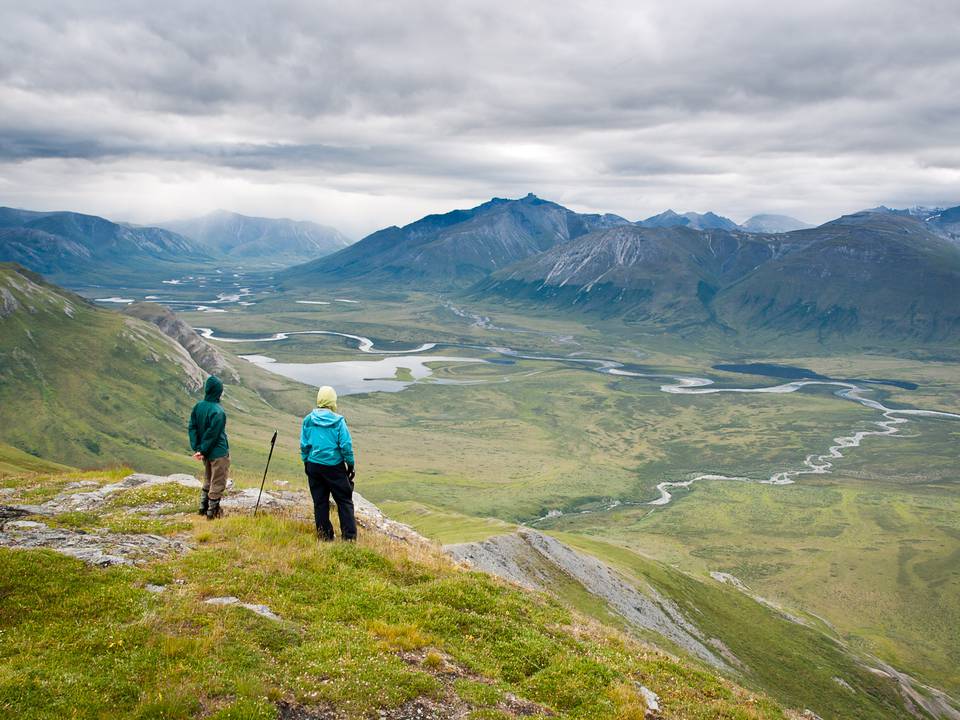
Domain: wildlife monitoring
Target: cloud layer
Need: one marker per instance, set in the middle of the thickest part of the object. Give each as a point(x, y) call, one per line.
point(369, 114)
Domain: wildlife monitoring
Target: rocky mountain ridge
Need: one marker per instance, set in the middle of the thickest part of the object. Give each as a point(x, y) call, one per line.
point(869, 275)
point(208, 357)
point(458, 247)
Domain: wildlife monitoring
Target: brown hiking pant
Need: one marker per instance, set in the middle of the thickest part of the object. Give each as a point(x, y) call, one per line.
point(215, 476)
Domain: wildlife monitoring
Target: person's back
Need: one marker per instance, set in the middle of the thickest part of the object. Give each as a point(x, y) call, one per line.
point(326, 435)
point(208, 440)
point(326, 449)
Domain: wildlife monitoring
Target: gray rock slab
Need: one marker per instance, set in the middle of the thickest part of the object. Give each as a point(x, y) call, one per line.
point(101, 547)
point(261, 610)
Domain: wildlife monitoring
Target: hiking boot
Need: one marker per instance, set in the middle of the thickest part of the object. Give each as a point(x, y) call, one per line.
point(204, 503)
point(213, 509)
point(324, 537)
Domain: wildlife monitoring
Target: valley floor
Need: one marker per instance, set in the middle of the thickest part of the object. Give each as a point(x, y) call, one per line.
point(864, 553)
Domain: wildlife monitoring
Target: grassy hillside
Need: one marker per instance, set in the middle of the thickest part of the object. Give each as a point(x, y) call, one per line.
point(526, 437)
point(17, 462)
point(376, 629)
point(795, 658)
point(89, 387)
point(868, 274)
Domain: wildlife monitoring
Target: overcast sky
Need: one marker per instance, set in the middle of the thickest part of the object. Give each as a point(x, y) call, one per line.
point(366, 114)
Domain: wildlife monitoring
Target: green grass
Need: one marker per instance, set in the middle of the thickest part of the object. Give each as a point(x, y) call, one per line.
point(97, 388)
point(88, 643)
point(17, 462)
point(445, 527)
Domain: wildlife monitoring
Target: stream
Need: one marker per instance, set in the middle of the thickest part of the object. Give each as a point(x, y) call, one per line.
point(354, 377)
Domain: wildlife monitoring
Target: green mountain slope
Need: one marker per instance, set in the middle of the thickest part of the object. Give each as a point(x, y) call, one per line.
point(87, 386)
point(796, 658)
point(869, 273)
point(666, 275)
point(79, 384)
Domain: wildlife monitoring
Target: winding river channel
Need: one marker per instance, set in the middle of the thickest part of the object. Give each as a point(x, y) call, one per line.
point(355, 377)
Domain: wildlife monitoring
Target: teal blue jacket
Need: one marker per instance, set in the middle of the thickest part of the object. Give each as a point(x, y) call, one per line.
point(208, 423)
point(325, 439)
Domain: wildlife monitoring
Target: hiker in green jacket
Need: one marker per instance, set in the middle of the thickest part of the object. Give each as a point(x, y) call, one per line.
point(208, 440)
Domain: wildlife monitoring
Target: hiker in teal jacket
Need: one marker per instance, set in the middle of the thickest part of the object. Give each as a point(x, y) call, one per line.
point(208, 440)
point(326, 449)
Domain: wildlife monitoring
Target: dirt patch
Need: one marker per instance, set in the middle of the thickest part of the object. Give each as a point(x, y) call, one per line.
point(292, 711)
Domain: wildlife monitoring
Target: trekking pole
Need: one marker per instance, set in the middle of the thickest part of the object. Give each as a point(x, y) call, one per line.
point(273, 441)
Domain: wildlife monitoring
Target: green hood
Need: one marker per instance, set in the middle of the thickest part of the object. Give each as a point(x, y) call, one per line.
point(213, 389)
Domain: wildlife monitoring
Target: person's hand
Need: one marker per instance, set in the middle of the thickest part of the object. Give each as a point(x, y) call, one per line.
point(351, 472)
point(198, 456)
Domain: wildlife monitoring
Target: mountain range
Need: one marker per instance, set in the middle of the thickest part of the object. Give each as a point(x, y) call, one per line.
point(75, 248)
point(692, 220)
point(461, 246)
point(764, 223)
point(943, 221)
point(71, 245)
point(875, 273)
point(878, 273)
point(243, 237)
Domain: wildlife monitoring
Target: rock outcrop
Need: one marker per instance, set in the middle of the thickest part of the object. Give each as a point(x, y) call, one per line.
point(203, 353)
point(100, 547)
point(534, 560)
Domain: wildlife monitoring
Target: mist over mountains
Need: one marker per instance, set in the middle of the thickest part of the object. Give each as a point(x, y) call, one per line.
point(692, 220)
point(767, 223)
point(70, 246)
point(241, 236)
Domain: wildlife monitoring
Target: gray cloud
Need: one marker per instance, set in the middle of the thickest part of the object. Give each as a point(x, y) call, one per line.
point(364, 114)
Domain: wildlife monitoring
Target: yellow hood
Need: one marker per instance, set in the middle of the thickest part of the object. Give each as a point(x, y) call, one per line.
point(327, 398)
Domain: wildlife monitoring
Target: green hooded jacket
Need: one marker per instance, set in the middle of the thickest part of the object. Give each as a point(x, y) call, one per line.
point(208, 423)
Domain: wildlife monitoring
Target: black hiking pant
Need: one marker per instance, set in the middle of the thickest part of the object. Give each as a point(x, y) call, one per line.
point(325, 480)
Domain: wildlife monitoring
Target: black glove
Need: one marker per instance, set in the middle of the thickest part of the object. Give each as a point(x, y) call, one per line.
point(351, 473)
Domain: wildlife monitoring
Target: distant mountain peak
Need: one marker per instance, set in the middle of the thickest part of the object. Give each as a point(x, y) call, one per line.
point(231, 233)
point(462, 245)
point(772, 223)
point(696, 221)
